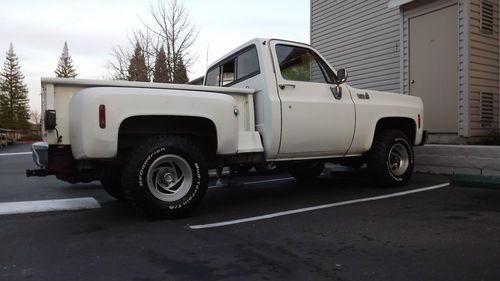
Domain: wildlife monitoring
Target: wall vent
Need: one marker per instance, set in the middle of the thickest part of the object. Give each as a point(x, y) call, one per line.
point(486, 109)
point(486, 17)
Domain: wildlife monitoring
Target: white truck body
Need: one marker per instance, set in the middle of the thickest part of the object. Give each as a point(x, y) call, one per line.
point(311, 126)
point(266, 101)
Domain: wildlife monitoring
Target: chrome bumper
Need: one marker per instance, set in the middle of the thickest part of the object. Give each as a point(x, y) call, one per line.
point(40, 153)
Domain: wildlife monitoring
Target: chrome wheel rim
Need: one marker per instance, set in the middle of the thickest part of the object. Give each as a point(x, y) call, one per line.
point(398, 160)
point(169, 178)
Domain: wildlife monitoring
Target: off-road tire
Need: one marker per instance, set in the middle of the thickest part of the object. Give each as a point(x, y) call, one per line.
point(143, 192)
point(379, 161)
point(308, 170)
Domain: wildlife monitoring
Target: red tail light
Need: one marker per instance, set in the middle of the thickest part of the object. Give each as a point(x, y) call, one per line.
point(102, 116)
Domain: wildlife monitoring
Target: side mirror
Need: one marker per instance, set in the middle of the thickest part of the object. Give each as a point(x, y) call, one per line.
point(341, 76)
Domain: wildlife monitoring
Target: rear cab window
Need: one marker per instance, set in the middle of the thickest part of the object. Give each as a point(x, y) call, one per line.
point(212, 77)
point(243, 65)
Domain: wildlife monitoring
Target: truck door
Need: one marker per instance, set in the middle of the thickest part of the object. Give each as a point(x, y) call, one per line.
point(315, 122)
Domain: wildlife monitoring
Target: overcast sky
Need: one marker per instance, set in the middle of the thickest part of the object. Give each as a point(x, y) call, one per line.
point(38, 30)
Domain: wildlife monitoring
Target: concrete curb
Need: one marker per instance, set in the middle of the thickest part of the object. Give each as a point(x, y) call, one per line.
point(475, 181)
point(458, 159)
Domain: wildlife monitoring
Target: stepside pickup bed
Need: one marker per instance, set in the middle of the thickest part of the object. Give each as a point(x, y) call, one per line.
point(266, 101)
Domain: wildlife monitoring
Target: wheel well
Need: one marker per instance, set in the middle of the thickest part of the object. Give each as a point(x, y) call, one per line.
point(407, 125)
point(135, 130)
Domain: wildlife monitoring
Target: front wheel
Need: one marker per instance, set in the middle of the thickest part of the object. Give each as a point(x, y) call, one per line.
point(165, 177)
point(391, 158)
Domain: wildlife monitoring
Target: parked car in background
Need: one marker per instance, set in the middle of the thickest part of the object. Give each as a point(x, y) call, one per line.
point(3, 141)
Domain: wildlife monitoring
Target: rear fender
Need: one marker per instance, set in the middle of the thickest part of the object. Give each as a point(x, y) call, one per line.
point(90, 141)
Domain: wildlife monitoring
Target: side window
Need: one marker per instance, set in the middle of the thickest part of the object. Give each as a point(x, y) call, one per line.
point(300, 64)
point(248, 64)
point(228, 72)
point(212, 78)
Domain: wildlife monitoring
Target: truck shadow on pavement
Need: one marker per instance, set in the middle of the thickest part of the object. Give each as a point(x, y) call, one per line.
point(251, 200)
point(246, 200)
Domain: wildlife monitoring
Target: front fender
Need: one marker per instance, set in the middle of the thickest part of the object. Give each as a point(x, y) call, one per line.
point(379, 106)
point(89, 141)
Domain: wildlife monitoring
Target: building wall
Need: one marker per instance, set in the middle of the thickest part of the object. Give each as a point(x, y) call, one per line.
point(362, 36)
point(425, 6)
point(483, 67)
point(371, 42)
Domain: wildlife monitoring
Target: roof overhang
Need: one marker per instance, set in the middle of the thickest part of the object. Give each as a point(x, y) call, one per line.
point(398, 3)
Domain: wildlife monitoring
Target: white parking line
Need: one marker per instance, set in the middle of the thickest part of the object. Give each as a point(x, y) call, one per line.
point(22, 207)
point(16, 153)
point(314, 208)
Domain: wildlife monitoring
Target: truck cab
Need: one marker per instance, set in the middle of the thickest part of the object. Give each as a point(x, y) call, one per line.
point(302, 109)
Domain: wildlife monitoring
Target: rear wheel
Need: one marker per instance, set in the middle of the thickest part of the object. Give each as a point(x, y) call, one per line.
point(391, 158)
point(308, 170)
point(165, 177)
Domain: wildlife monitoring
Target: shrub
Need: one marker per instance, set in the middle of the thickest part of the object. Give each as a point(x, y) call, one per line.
point(493, 138)
point(30, 138)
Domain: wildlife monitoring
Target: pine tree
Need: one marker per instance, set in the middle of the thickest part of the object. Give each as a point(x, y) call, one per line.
point(137, 70)
point(161, 73)
point(180, 75)
point(3, 107)
point(65, 67)
point(14, 100)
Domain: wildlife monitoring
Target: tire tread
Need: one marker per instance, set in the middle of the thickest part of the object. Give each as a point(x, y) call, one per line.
point(129, 176)
point(377, 155)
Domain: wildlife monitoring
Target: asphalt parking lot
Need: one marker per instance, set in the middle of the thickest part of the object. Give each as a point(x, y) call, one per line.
point(270, 228)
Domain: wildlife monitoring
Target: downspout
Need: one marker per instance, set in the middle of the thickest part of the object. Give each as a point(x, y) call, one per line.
point(466, 93)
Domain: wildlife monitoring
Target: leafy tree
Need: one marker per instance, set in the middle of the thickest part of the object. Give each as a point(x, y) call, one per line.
point(137, 70)
point(14, 100)
point(65, 67)
point(180, 76)
point(161, 73)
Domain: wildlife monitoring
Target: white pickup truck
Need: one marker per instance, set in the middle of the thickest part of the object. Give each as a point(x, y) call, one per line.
point(267, 101)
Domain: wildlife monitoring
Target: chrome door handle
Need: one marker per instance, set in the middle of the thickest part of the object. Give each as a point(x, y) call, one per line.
point(283, 86)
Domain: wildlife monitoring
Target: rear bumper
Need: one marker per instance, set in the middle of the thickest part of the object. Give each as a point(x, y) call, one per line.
point(41, 157)
point(40, 153)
